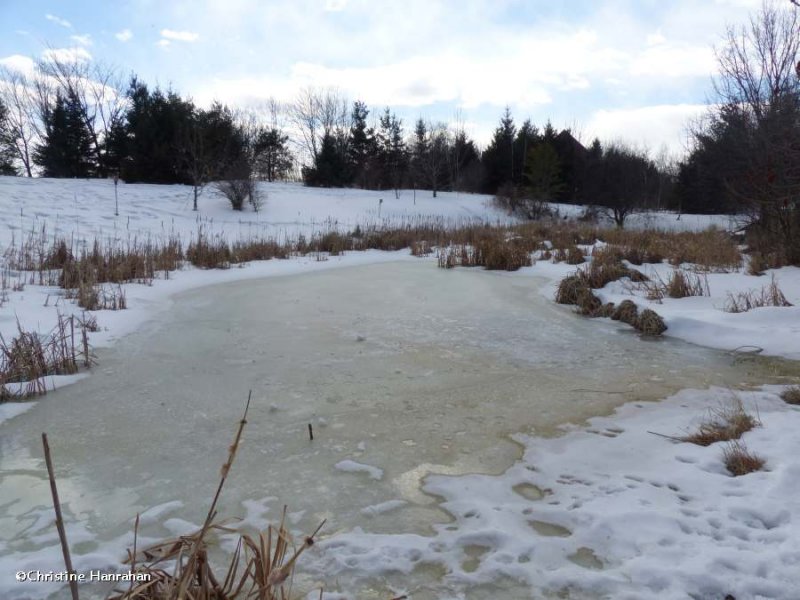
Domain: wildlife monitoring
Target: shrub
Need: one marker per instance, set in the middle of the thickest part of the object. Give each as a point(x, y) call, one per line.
point(239, 191)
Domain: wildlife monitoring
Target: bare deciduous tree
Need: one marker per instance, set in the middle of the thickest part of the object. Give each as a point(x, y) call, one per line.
point(17, 93)
point(759, 89)
point(316, 114)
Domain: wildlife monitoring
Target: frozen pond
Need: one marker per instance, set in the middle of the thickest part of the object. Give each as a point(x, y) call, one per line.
point(402, 367)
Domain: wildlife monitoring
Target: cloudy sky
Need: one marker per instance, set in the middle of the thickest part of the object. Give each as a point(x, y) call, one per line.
point(630, 69)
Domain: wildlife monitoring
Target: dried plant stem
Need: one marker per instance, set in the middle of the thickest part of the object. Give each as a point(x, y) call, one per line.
point(62, 534)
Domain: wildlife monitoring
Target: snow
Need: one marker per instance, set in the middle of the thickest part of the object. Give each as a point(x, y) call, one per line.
point(351, 466)
point(9, 410)
point(607, 509)
point(374, 510)
point(702, 319)
point(623, 514)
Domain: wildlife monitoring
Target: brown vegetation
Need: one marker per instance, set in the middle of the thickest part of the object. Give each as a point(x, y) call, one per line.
point(791, 395)
point(725, 423)
point(741, 461)
point(770, 295)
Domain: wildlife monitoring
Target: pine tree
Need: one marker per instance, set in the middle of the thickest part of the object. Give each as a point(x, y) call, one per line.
point(361, 145)
point(330, 167)
point(391, 155)
point(419, 153)
point(273, 160)
point(157, 126)
point(66, 150)
point(526, 140)
point(498, 158)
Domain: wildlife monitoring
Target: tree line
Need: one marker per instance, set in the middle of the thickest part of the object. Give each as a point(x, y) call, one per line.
point(73, 118)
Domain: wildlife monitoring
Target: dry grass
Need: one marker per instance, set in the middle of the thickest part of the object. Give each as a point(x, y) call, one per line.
point(680, 284)
point(725, 423)
point(757, 263)
point(739, 460)
point(650, 323)
point(494, 251)
point(791, 395)
point(627, 312)
point(769, 295)
point(575, 290)
point(708, 251)
point(261, 567)
point(28, 358)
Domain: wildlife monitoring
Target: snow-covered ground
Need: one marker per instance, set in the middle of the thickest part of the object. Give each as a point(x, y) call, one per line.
point(610, 510)
point(775, 331)
point(624, 514)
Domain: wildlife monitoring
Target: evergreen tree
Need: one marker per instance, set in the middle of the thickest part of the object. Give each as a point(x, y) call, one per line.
point(66, 150)
point(157, 127)
point(498, 158)
point(273, 160)
point(595, 150)
point(330, 167)
point(362, 145)
point(391, 155)
point(419, 152)
point(543, 172)
point(527, 138)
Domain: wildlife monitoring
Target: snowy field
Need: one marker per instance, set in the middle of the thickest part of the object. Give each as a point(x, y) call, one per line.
point(607, 510)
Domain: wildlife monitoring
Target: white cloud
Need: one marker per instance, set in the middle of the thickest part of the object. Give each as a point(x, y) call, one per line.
point(648, 126)
point(58, 20)
point(19, 63)
point(163, 43)
point(654, 39)
point(124, 36)
point(670, 60)
point(76, 54)
point(83, 40)
point(499, 73)
point(335, 5)
point(179, 36)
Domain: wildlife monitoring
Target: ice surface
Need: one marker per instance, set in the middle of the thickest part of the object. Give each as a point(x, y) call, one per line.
point(452, 363)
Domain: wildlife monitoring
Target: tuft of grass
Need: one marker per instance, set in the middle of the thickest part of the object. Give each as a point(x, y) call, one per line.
point(575, 256)
point(650, 322)
point(28, 358)
point(680, 284)
point(739, 460)
point(791, 395)
point(770, 295)
point(627, 312)
point(725, 423)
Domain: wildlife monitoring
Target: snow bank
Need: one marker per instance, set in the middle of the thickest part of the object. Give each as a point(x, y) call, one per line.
point(703, 320)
